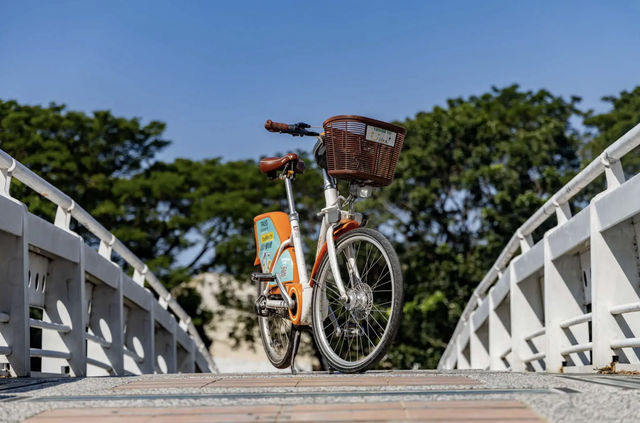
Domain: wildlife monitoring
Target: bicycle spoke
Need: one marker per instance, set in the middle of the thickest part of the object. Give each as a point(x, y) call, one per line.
point(368, 339)
point(366, 273)
point(350, 270)
point(377, 306)
point(385, 273)
point(376, 321)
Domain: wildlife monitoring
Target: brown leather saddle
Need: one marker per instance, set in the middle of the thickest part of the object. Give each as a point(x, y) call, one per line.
point(271, 165)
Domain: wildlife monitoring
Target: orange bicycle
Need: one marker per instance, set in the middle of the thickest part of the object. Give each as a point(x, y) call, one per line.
point(352, 299)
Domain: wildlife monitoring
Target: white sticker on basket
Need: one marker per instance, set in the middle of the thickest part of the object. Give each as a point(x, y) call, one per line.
point(383, 136)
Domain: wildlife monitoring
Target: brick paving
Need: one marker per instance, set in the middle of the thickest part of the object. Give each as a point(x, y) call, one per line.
point(297, 382)
point(498, 411)
point(381, 396)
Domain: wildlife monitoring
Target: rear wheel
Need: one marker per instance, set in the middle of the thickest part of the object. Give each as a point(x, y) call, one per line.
point(355, 335)
point(276, 331)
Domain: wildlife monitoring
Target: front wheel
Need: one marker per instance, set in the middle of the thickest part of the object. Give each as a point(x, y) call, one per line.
point(355, 335)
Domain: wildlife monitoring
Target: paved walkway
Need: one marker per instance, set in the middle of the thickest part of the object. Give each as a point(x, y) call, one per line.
point(375, 396)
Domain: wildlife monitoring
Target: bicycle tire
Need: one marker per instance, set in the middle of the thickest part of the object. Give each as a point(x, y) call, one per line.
point(360, 310)
point(280, 358)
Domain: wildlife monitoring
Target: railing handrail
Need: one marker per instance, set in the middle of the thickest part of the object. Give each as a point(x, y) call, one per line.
point(611, 154)
point(14, 169)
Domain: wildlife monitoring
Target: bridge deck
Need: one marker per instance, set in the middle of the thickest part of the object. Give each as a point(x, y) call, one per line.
point(374, 396)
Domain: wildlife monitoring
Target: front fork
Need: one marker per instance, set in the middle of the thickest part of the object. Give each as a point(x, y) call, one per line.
point(333, 262)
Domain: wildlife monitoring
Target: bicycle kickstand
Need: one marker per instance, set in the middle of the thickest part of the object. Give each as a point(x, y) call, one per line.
point(296, 343)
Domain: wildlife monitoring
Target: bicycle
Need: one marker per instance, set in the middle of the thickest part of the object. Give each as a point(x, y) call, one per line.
point(352, 299)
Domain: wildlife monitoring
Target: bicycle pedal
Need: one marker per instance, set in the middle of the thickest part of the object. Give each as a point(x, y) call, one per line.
point(260, 306)
point(262, 277)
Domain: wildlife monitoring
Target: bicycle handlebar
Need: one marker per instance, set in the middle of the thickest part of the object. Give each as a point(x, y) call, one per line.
point(275, 126)
point(296, 129)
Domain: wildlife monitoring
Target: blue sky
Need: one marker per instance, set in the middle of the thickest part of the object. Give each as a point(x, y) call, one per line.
point(215, 71)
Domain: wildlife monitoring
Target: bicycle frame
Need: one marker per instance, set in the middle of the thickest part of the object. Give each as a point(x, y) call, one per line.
point(331, 216)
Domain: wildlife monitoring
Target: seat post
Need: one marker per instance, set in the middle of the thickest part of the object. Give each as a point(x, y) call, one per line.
point(297, 245)
point(292, 205)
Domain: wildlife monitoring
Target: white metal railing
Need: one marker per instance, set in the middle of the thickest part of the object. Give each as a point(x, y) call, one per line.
point(38, 352)
point(576, 320)
point(625, 308)
point(505, 353)
point(576, 348)
point(535, 334)
point(608, 162)
point(136, 357)
point(97, 363)
point(67, 209)
point(534, 357)
point(625, 343)
point(41, 324)
point(98, 340)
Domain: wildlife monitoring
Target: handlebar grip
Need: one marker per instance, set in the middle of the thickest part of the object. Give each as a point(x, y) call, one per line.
point(276, 126)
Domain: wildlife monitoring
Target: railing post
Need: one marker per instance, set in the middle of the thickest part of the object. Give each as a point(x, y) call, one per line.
point(165, 347)
point(563, 212)
point(202, 364)
point(479, 336)
point(106, 321)
point(613, 172)
point(65, 303)
point(186, 357)
point(500, 323)
point(140, 275)
point(106, 248)
point(5, 178)
point(526, 242)
point(63, 217)
point(527, 316)
point(14, 274)
point(463, 348)
point(5, 183)
point(615, 281)
point(564, 299)
point(140, 329)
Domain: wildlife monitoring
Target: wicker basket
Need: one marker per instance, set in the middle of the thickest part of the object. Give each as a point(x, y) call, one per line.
point(362, 149)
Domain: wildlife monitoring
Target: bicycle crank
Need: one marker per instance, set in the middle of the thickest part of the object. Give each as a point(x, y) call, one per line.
point(265, 307)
